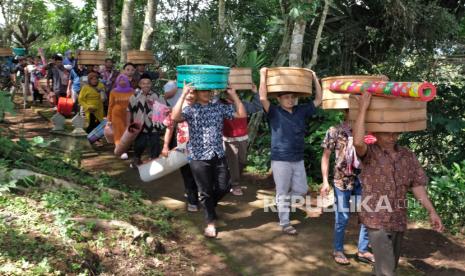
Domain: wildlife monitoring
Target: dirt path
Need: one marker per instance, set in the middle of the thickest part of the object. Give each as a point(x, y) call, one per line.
point(251, 242)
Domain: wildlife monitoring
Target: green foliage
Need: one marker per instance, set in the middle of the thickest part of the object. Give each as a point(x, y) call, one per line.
point(6, 105)
point(447, 192)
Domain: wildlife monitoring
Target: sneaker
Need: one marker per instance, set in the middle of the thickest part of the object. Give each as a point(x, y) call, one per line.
point(124, 156)
point(192, 208)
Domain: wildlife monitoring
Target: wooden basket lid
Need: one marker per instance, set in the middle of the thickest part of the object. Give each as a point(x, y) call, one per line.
point(335, 104)
point(395, 127)
point(381, 103)
point(391, 116)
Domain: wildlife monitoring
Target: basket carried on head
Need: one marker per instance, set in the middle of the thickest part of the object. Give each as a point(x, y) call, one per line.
point(140, 57)
point(203, 77)
point(391, 114)
point(92, 57)
point(6, 52)
point(19, 51)
point(241, 78)
point(289, 79)
point(333, 100)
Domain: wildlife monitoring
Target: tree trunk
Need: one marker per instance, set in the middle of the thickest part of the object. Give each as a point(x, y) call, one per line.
point(102, 24)
point(149, 25)
point(283, 52)
point(316, 44)
point(127, 20)
point(111, 20)
point(221, 15)
point(297, 42)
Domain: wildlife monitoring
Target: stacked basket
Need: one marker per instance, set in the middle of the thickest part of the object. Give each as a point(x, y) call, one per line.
point(92, 57)
point(289, 79)
point(140, 57)
point(391, 114)
point(203, 77)
point(241, 78)
point(341, 101)
point(6, 52)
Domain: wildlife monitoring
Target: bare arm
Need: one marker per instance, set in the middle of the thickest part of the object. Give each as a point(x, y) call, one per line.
point(240, 108)
point(177, 109)
point(263, 90)
point(166, 141)
point(325, 171)
point(359, 126)
point(318, 93)
point(42, 56)
point(421, 195)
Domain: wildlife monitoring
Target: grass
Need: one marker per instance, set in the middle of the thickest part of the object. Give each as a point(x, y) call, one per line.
point(38, 231)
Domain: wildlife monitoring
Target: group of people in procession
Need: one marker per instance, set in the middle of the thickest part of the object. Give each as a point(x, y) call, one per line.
point(213, 130)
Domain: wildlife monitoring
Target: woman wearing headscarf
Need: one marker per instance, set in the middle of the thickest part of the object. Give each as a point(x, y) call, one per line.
point(117, 108)
point(91, 101)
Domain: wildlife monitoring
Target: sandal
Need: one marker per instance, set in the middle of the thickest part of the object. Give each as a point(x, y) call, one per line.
point(365, 259)
point(340, 258)
point(289, 230)
point(237, 191)
point(210, 232)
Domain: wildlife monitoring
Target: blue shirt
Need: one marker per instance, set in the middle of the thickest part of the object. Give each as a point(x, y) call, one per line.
point(288, 131)
point(76, 82)
point(206, 129)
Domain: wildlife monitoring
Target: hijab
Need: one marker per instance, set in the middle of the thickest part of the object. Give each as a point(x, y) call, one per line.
point(120, 89)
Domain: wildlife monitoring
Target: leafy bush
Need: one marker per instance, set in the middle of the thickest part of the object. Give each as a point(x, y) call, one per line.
point(447, 192)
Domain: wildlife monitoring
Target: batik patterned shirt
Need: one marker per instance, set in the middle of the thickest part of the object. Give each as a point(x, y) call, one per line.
point(206, 129)
point(336, 141)
point(386, 180)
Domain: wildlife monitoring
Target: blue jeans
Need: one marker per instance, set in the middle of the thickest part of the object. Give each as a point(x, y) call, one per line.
point(342, 212)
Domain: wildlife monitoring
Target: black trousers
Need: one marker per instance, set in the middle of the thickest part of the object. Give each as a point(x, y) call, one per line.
point(37, 96)
point(93, 123)
point(212, 178)
point(147, 140)
point(189, 185)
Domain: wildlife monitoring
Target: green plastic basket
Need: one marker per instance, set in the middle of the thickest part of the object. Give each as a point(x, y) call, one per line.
point(203, 77)
point(19, 51)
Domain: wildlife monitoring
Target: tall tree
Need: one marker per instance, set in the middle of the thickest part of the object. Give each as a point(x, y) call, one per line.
point(316, 43)
point(127, 17)
point(149, 24)
point(221, 15)
point(283, 52)
point(102, 24)
point(297, 43)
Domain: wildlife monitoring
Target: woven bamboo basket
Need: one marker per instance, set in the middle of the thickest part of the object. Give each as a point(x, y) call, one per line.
point(289, 79)
point(203, 77)
point(341, 101)
point(6, 52)
point(92, 57)
point(140, 57)
point(391, 114)
point(241, 78)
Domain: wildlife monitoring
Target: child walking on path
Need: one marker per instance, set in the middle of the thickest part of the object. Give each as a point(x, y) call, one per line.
point(347, 187)
point(140, 109)
point(235, 137)
point(208, 162)
point(287, 123)
point(182, 137)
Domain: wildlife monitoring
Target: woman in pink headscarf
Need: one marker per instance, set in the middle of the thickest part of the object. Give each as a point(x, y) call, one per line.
point(117, 109)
